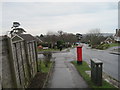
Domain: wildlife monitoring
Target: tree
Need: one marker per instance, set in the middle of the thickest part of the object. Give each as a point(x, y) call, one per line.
point(53, 37)
point(41, 35)
point(94, 37)
point(16, 29)
point(61, 35)
point(59, 44)
point(60, 32)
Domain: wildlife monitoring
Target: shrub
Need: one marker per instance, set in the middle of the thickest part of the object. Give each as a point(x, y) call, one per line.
point(47, 58)
point(102, 46)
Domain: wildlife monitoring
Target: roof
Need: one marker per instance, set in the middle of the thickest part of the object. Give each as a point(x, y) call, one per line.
point(27, 37)
point(108, 39)
point(38, 39)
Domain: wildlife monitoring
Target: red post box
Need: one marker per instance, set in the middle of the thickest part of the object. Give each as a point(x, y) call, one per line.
point(79, 54)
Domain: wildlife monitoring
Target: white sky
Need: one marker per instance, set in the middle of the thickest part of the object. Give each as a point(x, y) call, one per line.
point(78, 16)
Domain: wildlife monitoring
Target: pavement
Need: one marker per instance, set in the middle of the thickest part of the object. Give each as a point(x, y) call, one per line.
point(65, 74)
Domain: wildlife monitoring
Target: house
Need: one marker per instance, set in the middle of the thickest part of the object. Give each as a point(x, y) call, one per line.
point(117, 35)
point(109, 40)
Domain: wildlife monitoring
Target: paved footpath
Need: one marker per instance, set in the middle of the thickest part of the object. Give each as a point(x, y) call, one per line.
point(64, 74)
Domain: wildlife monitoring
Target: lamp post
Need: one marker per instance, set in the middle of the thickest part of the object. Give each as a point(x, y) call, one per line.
point(79, 36)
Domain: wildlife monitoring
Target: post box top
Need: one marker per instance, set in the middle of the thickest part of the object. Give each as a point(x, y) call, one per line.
point(96, 61)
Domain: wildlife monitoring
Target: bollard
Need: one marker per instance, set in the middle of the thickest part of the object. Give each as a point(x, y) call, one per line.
point(79, 54)
point(96, 71)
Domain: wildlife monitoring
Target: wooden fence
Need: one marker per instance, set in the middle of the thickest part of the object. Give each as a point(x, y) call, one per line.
point(19, 62)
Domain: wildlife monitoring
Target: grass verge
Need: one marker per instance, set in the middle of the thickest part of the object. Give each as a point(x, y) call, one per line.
point(106, 46)
point(114, 44)
point(84, 67)
point(43, 68)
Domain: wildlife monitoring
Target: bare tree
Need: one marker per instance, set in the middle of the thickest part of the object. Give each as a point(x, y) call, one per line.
point(94, 37)
point(60, 32)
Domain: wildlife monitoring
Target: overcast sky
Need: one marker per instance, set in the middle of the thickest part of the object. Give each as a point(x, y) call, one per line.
point(73, 17)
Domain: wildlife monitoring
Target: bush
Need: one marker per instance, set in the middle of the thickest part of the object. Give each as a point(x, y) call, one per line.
point(59, 43)
point(47, 58)
point(44, 44)
point(103, 46)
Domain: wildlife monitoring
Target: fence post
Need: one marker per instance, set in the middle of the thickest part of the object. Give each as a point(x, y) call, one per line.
point(36, 54)
point(11, 61)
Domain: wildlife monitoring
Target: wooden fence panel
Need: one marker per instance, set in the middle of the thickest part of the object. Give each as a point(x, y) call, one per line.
point(16, 65)
point(19, 63)
point(32, 58)
point(24, 62)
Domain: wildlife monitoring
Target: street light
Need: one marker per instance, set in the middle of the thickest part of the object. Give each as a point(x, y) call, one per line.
point(79, 36)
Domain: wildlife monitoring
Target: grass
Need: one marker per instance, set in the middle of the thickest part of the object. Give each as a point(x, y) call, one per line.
point(106, 46)
point(114, 44)
point(84, 67)
point(42, 67)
